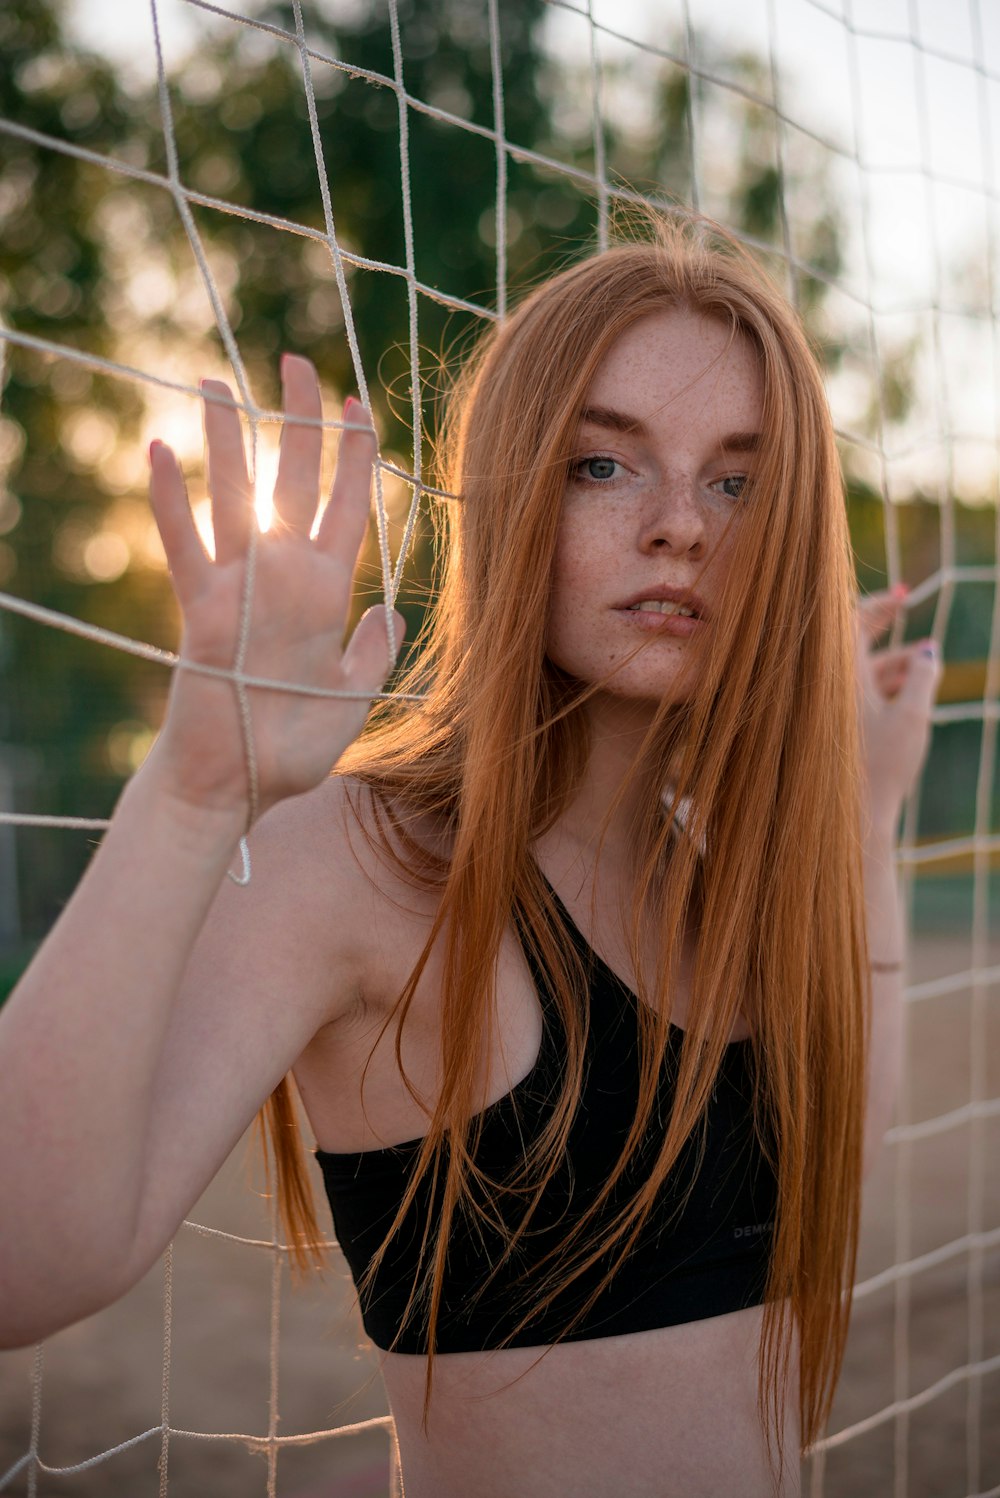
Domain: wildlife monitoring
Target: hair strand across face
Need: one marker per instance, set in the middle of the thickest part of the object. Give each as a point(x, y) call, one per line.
point(764, 754)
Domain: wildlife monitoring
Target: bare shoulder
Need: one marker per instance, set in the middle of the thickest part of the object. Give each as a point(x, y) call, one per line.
point(295, 924)
point(324, 902)
point(310, 855)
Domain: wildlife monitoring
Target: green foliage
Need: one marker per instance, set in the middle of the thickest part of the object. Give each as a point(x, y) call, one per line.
point(94, 261)
point(59, 696)
point(91, 261)
point(263, 159)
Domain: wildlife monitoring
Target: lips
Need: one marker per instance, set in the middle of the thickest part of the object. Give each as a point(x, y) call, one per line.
point(660, 593)
point(664, 608)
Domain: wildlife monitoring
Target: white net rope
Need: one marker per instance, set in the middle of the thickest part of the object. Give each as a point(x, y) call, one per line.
point(944, 191)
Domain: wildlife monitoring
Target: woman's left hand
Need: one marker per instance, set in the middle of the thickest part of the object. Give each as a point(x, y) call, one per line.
point(896, 690)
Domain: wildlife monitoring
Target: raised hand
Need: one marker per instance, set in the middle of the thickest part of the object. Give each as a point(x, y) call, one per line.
point(896, 691)
point(301, 595)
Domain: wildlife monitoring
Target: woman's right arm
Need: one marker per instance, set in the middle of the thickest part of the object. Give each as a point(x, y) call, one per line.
point(144, 1036)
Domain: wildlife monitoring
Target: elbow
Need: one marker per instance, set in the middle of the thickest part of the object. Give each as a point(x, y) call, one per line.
point(35, 1305)
point(26, 1329)
point(15, 1335)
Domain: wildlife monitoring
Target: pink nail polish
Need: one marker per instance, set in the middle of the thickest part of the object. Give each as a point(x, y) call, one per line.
point(349, 402)
point(153, 446)
point(900, 590)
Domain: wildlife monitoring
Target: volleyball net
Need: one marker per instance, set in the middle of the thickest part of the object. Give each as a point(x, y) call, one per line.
point(859, 162)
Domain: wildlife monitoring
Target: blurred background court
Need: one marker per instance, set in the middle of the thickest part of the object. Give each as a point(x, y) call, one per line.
point(469, 148)
point(102, 1379)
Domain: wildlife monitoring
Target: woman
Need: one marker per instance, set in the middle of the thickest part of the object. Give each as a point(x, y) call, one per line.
point(570, 958)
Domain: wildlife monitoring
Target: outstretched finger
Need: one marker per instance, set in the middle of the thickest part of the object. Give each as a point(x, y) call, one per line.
point(186, 557)
point(889, 663)
point(366, 661)
point(345, 518)
point(878, 611)
point(296, 490)
point(228, 482)
point(888, 670)
point(923, 675)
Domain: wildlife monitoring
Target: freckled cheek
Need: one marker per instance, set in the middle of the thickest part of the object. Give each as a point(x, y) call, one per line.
point(564, 626)
point(583, 556)
point(723, 538)
point(577, 636)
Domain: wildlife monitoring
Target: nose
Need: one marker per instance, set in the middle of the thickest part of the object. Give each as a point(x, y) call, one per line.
point(677, 523)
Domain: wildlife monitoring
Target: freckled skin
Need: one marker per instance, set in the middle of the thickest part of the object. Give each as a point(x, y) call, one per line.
point(658, 514)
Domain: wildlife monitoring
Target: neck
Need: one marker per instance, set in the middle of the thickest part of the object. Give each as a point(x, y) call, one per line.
point(602, 814)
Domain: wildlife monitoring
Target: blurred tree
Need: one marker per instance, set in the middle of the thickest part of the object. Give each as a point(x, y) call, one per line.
point(263, 158)
point(243, 130)
point(59, 428)
point(92, 260)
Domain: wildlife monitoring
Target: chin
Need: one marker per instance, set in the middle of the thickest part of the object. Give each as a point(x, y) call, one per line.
point(647, 694)
point(639, 680)
point(631, 683)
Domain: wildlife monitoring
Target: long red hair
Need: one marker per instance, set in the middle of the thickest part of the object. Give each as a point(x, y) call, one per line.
point(765, 754)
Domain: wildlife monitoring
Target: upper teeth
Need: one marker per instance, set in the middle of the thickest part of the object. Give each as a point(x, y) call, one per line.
point(661, 606)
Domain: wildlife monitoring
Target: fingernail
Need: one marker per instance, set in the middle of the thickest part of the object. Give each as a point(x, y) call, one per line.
point(929, 648)
point(283, 364)
point(899, 590)
point(349, 402)
point(153, 446)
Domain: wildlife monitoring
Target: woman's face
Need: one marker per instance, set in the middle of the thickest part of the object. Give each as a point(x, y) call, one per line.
point(668, 434)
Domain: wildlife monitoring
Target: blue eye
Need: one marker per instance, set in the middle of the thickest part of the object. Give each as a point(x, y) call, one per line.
point(597, 469)
point(733, 486)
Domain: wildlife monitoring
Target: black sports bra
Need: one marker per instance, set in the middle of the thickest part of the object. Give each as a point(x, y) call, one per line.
point(709, 1259)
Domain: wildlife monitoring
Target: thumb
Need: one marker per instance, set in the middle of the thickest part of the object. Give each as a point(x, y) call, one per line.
point(366, 661)
point(923, 676)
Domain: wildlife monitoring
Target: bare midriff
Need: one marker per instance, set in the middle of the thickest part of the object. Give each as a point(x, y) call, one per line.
point(665, 1413)
point(670, 1413)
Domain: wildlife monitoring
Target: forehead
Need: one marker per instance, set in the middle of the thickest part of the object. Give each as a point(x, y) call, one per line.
point(678, 363)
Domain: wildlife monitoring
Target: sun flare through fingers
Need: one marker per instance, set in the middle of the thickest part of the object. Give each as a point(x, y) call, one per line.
point(265, 476)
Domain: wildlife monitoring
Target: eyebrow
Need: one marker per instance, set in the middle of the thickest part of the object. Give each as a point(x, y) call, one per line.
point(612, 421)
point(619, 421)
point(743, 442)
